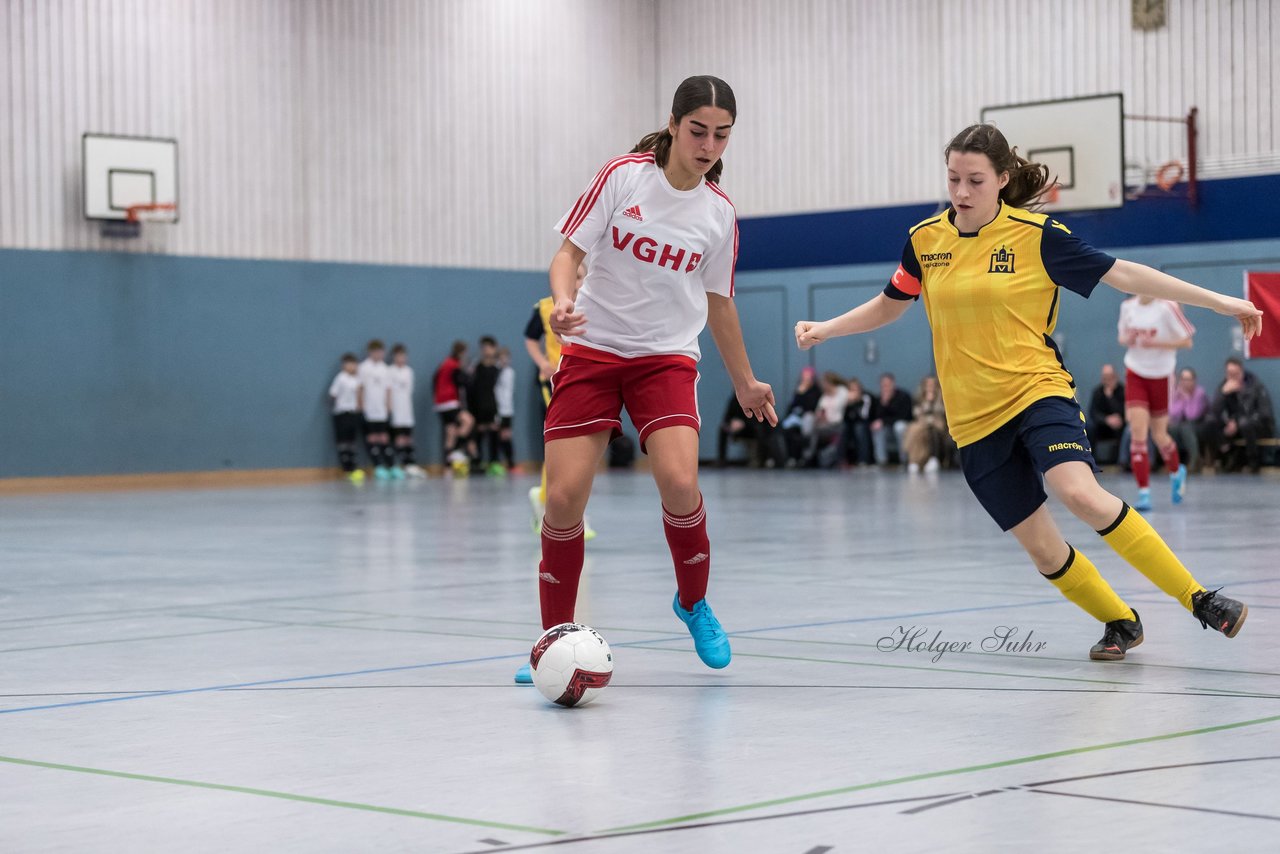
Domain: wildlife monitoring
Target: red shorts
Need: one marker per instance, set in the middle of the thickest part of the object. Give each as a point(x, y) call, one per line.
point(1150, 394)
point(589, 391)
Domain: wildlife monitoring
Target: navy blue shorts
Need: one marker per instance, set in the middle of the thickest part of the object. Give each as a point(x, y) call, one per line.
point(1006, 469)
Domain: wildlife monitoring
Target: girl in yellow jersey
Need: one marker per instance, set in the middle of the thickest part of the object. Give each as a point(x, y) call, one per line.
point(990, 274)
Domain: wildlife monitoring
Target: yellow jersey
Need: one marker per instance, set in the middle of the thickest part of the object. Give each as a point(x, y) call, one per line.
point(550, 341)
point(992, 301)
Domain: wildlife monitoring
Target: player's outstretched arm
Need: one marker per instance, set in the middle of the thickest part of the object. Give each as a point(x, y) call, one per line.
point(755, 396)
point(534, 349)
point(878, 311)
point(1133, 278)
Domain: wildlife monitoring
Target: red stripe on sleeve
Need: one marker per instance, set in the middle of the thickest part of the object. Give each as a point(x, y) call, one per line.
point(1182, 318)
point(733, 269)
point(588, 199)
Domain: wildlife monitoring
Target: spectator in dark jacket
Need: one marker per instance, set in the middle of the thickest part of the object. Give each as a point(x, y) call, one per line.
point(1106, 417)
point(1240, 410)
point(859, 412)
point(893, 413)
point(796, 425)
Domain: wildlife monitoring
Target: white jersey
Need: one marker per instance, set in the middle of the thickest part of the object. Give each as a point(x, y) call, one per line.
point(374, 380)
point(343, 391)
point(656, 252)
point(832, 405)
point(1159, 321)
point(401, 379)
point(505, 392)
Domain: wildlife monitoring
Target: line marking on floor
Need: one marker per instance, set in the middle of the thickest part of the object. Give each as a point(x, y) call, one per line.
point(643, 643)
point(950, 772)
point(288, 796)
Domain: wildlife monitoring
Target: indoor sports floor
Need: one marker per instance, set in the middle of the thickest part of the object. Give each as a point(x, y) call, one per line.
point(328, 668)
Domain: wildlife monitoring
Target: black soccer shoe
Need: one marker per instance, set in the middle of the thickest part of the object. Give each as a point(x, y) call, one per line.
point(1218, 612)
point(1118, 637)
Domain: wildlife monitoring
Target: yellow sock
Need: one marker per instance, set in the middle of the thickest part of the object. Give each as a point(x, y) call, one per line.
point(1080, 582)
point(542, 494)
point(1136, 541)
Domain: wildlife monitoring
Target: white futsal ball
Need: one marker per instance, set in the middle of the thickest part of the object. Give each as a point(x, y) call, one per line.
point(571, 664)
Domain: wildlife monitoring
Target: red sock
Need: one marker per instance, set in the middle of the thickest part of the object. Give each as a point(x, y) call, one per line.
point(1141, 464)
point(690, 552)
point(558, 574)
point(1169, 453)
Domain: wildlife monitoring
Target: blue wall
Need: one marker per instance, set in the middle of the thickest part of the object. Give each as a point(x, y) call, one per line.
point(771, 302)
point(116, 362)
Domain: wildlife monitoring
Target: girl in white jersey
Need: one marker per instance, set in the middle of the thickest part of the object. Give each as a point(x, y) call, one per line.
point(400, 377)
point(662, 237)
point(1153, 330)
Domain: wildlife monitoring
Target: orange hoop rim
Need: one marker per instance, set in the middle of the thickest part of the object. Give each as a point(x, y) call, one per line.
point(131, 212)
point(1168, 175)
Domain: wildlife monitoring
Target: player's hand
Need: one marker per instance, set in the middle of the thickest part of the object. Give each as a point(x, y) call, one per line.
point(757, 401)
point(565, 321)
point(1249, 315)
point(809, 333)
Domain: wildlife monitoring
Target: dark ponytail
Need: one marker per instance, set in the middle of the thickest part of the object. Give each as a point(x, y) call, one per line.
point(1028, 181)
point(692, 94)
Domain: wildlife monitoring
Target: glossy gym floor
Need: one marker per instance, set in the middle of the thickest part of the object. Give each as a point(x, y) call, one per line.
point(328, 668)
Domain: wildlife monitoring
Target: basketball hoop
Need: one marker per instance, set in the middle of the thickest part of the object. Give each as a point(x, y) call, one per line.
point(1050, 194)
point(1168, 175)
point(135, 215)
point(151, 212)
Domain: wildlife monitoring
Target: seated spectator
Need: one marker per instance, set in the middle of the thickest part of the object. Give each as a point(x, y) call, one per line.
point(796, 424)
point(1241, 410)
point(1188, 411)
point(737, 427)
point(858, 411)
point(1106, 417)
point(893, 413)
point(926, 440)
point(828, 424)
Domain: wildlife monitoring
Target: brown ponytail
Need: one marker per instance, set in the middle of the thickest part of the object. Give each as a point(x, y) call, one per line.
point(1028, 181)
point(693, 93)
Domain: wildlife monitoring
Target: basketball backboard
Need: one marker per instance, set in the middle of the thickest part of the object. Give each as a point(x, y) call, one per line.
point(1081, 140)
point(121, 172)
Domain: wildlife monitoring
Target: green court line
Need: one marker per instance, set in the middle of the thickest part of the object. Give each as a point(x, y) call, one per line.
point(933, 775)
point(287, 796)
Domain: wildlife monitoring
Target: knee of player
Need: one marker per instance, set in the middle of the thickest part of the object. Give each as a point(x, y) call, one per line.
point(682, 484)
point(1085, 498)
point(561, 499)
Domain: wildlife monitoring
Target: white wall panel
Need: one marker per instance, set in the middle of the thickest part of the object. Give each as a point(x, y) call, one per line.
point(848, 104)
point(454, 132)
point(448, 132)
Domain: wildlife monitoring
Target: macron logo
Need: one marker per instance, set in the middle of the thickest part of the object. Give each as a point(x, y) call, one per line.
point(698, 558)
point(634, 213)
point(548, 577)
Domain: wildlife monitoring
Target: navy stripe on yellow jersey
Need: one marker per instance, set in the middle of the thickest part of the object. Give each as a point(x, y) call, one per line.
point(992, 301)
